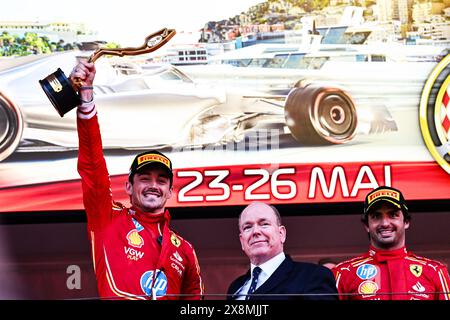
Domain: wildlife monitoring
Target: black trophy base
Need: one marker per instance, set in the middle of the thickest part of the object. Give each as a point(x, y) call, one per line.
point(60, 92)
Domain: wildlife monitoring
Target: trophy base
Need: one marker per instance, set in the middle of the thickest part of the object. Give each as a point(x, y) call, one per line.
point(60, 92)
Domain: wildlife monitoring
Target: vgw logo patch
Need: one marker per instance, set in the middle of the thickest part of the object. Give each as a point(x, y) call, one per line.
point(434, 113)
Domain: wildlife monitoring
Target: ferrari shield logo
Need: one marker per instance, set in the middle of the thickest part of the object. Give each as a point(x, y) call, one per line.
point(434, 113)
point(415, 269)
point(175, 241)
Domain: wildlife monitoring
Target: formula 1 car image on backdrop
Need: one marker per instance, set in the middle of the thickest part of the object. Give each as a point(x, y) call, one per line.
point(162, 106)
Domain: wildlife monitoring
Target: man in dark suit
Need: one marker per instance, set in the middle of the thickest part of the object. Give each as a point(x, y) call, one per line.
point(274, 275)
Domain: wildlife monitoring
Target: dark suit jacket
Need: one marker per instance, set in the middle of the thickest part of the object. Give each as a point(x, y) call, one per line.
point(292, 278)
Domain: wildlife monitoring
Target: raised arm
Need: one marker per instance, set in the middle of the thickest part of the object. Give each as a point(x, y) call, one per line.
point(92, 168)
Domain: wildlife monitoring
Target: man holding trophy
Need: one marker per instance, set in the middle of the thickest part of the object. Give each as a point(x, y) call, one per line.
point(135, 253)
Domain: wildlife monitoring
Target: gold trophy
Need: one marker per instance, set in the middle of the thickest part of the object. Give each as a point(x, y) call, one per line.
point(63, 93)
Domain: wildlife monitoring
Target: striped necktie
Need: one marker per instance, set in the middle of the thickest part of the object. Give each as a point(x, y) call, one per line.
point(255, 275)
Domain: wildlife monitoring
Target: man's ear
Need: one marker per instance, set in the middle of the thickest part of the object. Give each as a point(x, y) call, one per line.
point(241, 240)
point(406, 225)
point(366, 227)
point(282, 230)
point(170, 192)
point(129, 188)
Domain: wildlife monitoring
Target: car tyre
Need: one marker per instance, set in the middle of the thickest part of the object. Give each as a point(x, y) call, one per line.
point(319, 115)
point(11, 127)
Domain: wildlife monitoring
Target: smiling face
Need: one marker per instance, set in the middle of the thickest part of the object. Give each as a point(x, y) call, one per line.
point(386, 227)
point(150, 190)
point(261, 235)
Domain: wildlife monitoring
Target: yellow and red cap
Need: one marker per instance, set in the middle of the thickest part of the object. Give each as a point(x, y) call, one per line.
point(151, 157)
point(386, 194)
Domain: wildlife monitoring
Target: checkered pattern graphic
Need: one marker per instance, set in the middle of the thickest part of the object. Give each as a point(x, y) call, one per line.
point(445, 112)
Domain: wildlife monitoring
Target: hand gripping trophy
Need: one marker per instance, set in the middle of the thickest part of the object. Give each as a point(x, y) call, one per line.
point(64, 94)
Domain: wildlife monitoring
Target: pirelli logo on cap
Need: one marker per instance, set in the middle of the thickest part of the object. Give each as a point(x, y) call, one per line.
point(387, 194)
point(153, 158)
point(383, 193)
point(149, 157)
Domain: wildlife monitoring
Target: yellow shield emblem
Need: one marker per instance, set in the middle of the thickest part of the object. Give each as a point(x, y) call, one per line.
point(175, 241)
point(415, 269)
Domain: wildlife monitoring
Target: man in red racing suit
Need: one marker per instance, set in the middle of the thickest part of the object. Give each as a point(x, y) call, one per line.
point(388, 271)
point(135, 253)
point(392, 275)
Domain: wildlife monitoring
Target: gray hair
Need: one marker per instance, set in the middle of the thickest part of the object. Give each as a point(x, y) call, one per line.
point(275, 211)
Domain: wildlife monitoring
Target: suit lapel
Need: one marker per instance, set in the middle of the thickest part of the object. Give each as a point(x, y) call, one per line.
point(237, 285)
point(280, 274)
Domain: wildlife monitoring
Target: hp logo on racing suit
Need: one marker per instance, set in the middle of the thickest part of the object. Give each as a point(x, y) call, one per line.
point(160, 285)
point(366, 271)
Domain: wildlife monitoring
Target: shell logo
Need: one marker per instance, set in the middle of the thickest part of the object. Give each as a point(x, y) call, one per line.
point(135, 239)
point(368, 287)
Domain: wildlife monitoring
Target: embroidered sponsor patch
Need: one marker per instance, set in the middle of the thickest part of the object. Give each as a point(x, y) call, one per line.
point(366, 271)
point(160, 285)
point(133, 254)
point(135, 239)
point(177, 259)
point(177, 269)
point(419, 291)
point(177, 256)
point(367, 287)
point(383, 193)
point(153, 157)
point(418, 287)
point(175, 240)
point(416, 269)
point(137, 225)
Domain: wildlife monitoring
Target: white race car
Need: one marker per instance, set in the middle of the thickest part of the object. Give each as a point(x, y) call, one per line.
point(161, 106)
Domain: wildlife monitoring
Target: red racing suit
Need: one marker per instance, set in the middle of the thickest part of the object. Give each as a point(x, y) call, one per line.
point(135, 255)
point(392, 275)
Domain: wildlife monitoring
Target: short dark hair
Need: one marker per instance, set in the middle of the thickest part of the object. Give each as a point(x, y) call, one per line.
point(365, 216)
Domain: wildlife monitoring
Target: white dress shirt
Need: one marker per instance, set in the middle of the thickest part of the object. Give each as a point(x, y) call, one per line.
point(268, 268)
